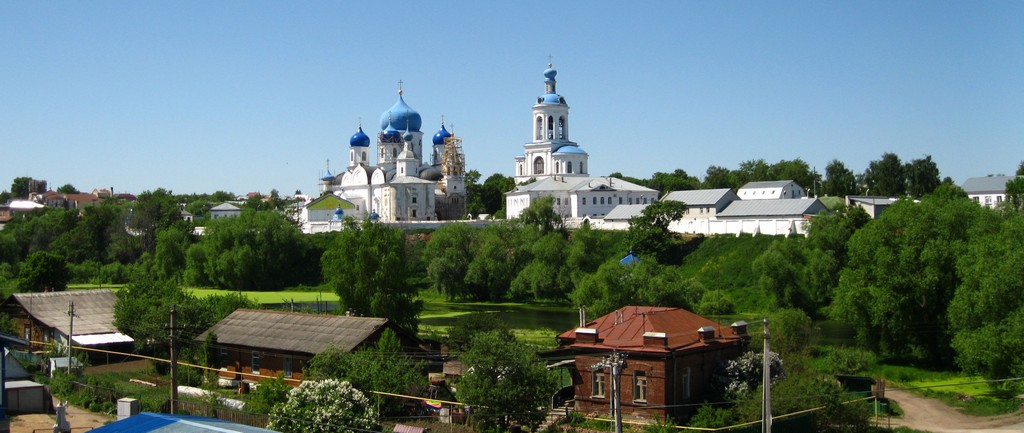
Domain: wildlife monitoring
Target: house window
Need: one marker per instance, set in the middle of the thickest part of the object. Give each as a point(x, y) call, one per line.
point(684, 383)
point(414, 199)
point(640, 387)
point(620, 200)
point(224, 358)
point(538, 165)
point(255, 362)
point(584, 200)
point(602, 200)
point(414, 213)
point(287, 366)
point(598, 384)
point(28, 332)
point(568, 167)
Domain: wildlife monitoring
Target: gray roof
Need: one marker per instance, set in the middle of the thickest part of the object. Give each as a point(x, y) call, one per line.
point(767, 184)
point(873, 200)
point(225, 207)
point(573, 184)
point(625, 211)
point(94, 309)
point(296, 332)
point(772, 208)
point(987, 184)
point(701, 197)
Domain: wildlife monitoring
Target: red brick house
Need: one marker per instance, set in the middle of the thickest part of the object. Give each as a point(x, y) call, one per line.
point(670, 355)
point(254, 345)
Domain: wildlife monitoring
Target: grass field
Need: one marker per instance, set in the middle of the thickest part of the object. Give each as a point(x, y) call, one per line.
point(970, 393)
point(283, 297)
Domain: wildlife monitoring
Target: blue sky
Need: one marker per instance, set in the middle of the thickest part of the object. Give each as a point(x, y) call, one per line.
point(241, 96)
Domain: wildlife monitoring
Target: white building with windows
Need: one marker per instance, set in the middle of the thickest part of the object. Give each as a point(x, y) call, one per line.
point(402, 186)
point(771, 190)
point(989, 191)
point(554, 166)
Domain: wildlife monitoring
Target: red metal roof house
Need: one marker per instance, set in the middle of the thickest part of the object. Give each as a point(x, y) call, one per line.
point(670, 353)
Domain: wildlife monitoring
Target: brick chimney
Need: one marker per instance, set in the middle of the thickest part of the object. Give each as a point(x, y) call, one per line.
point(586, 335)
point(655, 339)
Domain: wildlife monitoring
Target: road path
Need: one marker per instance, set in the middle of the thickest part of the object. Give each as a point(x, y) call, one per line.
point(934, 416)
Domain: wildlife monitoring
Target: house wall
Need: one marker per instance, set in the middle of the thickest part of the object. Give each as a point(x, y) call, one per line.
point(236, 364)
point(671, 381)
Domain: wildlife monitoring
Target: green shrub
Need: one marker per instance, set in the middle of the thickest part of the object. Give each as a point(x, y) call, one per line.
point(848, 360)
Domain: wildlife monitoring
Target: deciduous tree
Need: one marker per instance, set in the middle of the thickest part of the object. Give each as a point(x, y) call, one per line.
point(324, 406)
point(839, 180)
point(367, 268)
point(886, 177)
point(43, 272)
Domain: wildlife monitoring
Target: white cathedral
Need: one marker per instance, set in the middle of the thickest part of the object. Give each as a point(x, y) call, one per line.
point(553, 166)
point(401, 187)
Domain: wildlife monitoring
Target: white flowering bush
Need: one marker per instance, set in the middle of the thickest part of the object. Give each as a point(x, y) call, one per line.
point(324, 406)
point(744, 374)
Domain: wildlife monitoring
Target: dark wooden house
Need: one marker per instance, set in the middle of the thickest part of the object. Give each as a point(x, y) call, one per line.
point(254, 345)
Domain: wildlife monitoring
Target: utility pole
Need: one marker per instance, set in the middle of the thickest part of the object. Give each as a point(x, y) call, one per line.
point(174, 363)
point(616, 361)
point(71, 333)
point(766, 409)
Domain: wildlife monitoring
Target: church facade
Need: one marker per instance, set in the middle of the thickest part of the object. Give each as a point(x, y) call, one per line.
point(401, 186)
point(554, 166)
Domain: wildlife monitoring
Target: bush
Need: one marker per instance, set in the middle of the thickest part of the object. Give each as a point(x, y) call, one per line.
point(709, 416)
point(848, 360)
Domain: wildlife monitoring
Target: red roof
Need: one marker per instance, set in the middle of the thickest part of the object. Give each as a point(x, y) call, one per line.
point(624, 329)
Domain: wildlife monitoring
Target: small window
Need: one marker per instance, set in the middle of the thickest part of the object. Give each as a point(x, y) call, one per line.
point(620, 200)
point(598, 390)
point(414, 213)
point(640, 387)
point(225, 358)
point(287, 367)
point(414, 199)
point(584, 200)
point(255, 362)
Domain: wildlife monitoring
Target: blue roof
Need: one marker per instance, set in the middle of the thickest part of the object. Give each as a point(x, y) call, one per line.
point(569, 149)
point(629, 259)
point(551, 98)
point(441, 135)
point(401, 116)
point(163, 423)
point(359, 139)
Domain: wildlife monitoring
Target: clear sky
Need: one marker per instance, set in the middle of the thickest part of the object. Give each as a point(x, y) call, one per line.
point(200, 96)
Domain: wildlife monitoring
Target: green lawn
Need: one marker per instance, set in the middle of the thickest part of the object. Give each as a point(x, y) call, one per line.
point(283, 297)
point(969, 393)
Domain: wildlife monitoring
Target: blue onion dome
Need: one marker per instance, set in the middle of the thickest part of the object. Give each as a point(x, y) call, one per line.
point(401, 116)
point(359, 139)
point(441, 135)
point(338, 211)
point(407, 136)
point(391, 135)
point(550, 73)
point(328, 176)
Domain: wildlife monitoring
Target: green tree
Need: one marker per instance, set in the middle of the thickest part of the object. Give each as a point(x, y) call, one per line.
point(543, 277)
point(782, 271)
point(752, 171)
point(269, 393)
point(649, 233)
point(382, 367)
point(255, 251)
point(19, 188)
point(541, 215)
point(677, 180)
point(367, 268)
point(43, 272)
point(170, 259)
point(493, 193)
point(500, 253)
point(324, 406)
point(886, 176)
point(504, 383)
point(796, 170)
point(92, 236)
point(67, 188)
point(922, 176)
point(448, 255)
point(901, 276)
point(615, 285)
point(460, 334)
point(1015, 193)
point(151, 212)
point(719, 177)
point(143, 310)
point(986, 314)
point(839, 180)
point(1020, 169)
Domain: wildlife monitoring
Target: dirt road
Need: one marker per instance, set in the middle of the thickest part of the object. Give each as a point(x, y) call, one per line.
point(931, 415)
point(81, 420)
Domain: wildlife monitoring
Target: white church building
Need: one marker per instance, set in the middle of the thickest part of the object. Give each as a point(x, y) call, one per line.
point(554, 166)
point(402, 186)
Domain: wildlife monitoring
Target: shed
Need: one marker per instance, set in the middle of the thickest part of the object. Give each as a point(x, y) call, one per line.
point(26, 396)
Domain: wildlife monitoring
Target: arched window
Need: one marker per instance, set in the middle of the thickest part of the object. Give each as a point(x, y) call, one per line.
point(558, 167)
point(551, 126)
point(540, 127)
point(352, 156)
point(364, 156)
point(394, 152)
point(538, 165)
point(568, 167)
point(582, 170)
point(520, 168)
point(561, 128)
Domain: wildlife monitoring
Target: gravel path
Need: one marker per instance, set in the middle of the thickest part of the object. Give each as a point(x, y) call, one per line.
point(934, 416)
